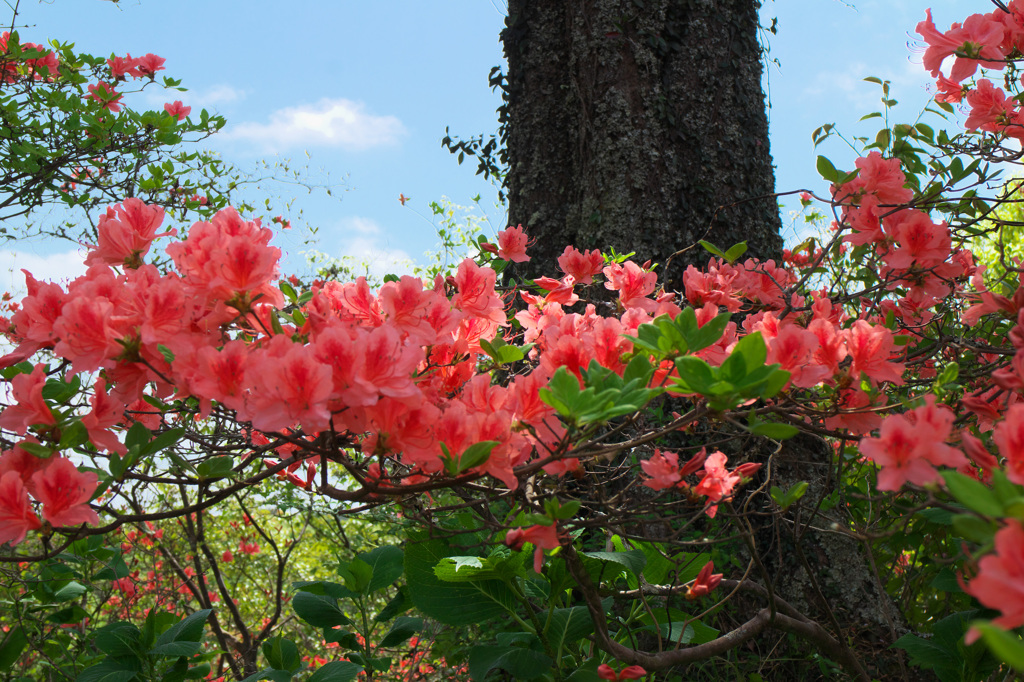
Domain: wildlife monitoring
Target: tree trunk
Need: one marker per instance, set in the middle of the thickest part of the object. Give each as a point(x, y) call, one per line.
point(639, 126)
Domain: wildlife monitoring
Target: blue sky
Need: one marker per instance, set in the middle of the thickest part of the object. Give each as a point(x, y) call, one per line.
point(366, 89)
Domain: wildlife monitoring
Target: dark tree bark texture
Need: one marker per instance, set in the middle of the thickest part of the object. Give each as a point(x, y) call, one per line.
point(638, 124)
point(641, 125)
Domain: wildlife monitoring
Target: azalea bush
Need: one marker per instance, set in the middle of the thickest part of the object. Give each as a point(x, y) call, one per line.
point(587, 475)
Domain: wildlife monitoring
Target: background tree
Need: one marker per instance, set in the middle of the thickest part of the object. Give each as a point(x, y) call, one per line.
point(640, 126)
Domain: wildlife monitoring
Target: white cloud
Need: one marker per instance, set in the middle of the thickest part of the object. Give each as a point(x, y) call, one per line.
point(330, 122)
point(360, 225)
point(907, 81)
point(55, 267)
point(378, 260)
point(205, 98)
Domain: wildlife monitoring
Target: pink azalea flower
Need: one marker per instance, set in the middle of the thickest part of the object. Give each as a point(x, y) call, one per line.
point(149, 64)
point(65, 492)
point(16, 515)
point(106, 412)
point(24, 463)
point(29, 407)
point(178, 110)
point(999, 584)
point(1009, 438)
point(541, 537)
point(705, 582)
point(633, 283)
point(582, 266)
point(106, 96)
point(663, 469)
point(126, 232)
point(869, 348)
point(512, 243)
point(718, 483)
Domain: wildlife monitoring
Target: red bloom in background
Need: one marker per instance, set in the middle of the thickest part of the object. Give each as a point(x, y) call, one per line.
point(663, 469)
point(705, 582)
point(541, 537)
point(16, 516)
point(633, 672)
point(717, 483)
point(65, 492)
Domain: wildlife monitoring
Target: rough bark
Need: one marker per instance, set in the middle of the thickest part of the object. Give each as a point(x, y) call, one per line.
point(638, 125)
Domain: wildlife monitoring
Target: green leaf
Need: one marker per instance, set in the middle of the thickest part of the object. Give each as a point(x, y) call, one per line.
point(138, 436)
point(702, 337)
point(586, 672)
point(319, 610)
point(452, 603)
point(402, 629)
point(747, 355)
point(787, 499)
point(58, 391)
point(827, 171)
point(173, 649)
point(189, 629)
point(639, 369)
point(166, 352)
point(1007, 647)
point(72, 590)
point(73, 435)
point(520, 663)
point(118, 639)
point(696, 373)
point(633, 560)
point(712, 249)
point(775, 430)
point(287, 289)
point(121, 670)
point(36, 449)
point(973, 494)
point(387, 566)
point(215, 467)
point(336, 671)
point(475, 455)
point(943, 517)
point(972, 528)
point(461, 569)
point(568, 625)
point(400, 603)
point(163, 441)
point(282, 654)
point(735, 251)
point(273, 675)
point(10, 649)
point(323, 587)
